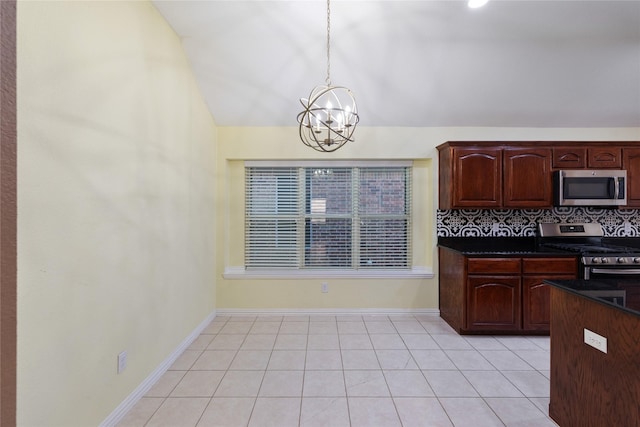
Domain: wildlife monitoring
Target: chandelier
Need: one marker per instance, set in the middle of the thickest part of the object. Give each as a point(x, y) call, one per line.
point(330, 114)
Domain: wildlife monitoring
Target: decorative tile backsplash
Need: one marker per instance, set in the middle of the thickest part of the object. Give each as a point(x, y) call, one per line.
point(523, 222)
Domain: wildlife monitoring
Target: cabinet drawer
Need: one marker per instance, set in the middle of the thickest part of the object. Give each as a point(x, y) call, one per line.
point(493, 265)
point(549, 265)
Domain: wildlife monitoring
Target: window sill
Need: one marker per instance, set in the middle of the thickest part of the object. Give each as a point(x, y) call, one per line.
point(239, 273)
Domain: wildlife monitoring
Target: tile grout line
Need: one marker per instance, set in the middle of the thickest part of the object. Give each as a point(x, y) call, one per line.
point(220, 382)
point(393, 399)
point(255, 400)
point(344, 377)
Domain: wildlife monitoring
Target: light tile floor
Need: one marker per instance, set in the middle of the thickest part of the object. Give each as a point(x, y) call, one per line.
point(370, 371)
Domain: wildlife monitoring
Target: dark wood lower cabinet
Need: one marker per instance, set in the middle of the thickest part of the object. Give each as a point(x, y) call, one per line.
point(536, 295)
point(493, 303)
point(590, 388)
point(499, 295)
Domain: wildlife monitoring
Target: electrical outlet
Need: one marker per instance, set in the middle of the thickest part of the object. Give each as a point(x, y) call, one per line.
point(627, 228)
point(594, 340)
point(122, 361)
point(495, 228)
point(324, 287)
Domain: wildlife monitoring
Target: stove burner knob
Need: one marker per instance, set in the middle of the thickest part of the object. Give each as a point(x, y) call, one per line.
point(621, 260)
point(636, 260)
point(605, 260)
point(596, 260)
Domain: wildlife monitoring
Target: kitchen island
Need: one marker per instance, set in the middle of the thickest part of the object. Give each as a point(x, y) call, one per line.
point(595, 353)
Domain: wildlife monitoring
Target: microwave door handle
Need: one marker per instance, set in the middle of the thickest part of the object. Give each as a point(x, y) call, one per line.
point(613, 188)
point(617, 187)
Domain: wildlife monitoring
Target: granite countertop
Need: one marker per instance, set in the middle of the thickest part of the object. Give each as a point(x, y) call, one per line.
point(514, 246)
point(603, 290)
point(499, 246)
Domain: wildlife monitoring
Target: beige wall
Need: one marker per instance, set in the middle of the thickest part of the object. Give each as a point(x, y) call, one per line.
point(418, 144)
point(115, 205)
point(239, 144)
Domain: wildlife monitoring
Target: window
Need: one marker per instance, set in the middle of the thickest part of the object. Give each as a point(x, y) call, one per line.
point(328, 217)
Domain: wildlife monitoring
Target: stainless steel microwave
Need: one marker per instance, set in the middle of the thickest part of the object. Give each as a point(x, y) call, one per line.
point(591, 187)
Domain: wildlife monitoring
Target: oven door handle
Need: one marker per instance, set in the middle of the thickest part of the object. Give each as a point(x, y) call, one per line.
point(615, 271)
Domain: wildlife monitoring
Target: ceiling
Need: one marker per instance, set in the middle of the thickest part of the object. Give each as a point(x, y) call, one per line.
point(420, 63)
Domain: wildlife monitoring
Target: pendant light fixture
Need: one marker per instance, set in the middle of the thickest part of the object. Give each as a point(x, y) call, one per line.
point(330, 114)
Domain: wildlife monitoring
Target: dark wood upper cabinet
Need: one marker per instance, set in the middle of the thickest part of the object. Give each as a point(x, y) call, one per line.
point(599, 157)
point(569, 158)
point(527, 178)
point(518, 174)
point(631, 162)
point(471, 177)
point(604, 157)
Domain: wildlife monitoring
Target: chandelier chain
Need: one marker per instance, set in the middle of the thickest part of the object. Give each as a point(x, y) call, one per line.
point(328, 79)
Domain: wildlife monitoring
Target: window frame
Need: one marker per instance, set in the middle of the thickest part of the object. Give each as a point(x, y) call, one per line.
point(410, 271)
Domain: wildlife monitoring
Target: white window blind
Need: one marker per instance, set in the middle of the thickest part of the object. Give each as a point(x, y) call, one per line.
point(328, 217)
point(272, 215)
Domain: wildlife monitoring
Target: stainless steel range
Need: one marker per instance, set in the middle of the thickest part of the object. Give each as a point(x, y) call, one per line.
point(598, 259)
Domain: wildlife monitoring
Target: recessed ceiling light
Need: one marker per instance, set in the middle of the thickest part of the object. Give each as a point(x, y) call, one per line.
point(474, 4)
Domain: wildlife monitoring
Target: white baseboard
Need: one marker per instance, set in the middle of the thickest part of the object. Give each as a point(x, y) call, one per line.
point(128, 403)
point(328, 311)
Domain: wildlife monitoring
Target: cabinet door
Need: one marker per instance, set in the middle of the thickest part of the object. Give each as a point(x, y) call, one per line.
point(493, 303)
point(536, 302)
point(527, 178)
point(604, 157)
point(569, 158)
point(536, 294)
point(631, 162)
point(477, 177)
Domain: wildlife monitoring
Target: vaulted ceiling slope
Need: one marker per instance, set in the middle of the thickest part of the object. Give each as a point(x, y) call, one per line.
point(418, 63)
